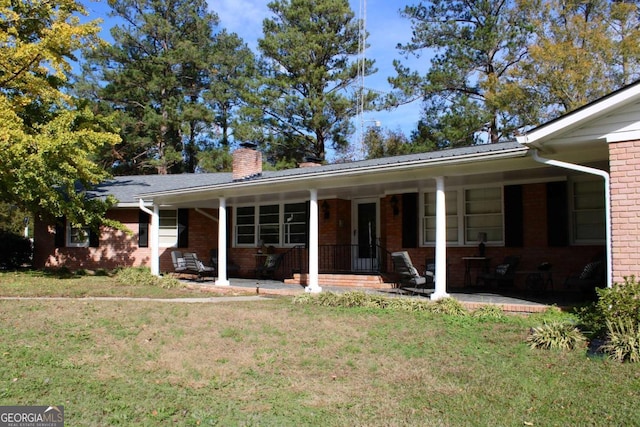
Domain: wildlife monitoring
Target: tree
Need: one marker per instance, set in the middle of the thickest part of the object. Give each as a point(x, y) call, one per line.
point(582, 50)
point(231, 83)
point(154, 76)
point(307, 90)
point(475, 44)
point(47, 138)
point(386, 143)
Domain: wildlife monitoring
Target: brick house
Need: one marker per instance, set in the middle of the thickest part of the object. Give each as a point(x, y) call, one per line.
point(564, 193)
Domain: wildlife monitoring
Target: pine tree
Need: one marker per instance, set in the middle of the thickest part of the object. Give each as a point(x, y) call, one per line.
point(153, 76)
point(310, 70)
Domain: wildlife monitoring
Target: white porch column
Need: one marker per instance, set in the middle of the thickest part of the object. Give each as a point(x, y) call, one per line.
point(441, 242)
point(312, 285)
point(154, 234)
point(222, 279)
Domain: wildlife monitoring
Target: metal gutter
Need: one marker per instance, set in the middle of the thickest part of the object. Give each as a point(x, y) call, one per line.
point(607, 196)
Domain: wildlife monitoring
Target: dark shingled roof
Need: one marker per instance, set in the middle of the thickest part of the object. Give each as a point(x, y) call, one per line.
point(127, 189)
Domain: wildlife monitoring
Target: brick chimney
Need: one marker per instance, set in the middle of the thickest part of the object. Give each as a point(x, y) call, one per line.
point(247, 163)
point(310, 161)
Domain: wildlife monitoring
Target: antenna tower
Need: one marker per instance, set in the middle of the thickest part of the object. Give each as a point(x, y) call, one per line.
point(362, 67)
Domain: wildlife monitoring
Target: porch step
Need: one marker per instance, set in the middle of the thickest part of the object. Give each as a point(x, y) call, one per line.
point(347, 280)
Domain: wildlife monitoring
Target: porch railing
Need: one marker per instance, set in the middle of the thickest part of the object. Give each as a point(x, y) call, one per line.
point(337, 259)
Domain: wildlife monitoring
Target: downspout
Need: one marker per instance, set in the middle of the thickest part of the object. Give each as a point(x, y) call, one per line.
point(607, 202)
point(155, 252)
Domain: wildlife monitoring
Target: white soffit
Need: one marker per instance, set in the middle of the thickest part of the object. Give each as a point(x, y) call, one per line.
point(581, 117)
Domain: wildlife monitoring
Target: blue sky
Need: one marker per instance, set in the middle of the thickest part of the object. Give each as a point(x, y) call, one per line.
point(386, 29)
point(385, 26)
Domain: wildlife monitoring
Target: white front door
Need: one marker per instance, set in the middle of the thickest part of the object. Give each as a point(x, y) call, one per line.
point(365, 235)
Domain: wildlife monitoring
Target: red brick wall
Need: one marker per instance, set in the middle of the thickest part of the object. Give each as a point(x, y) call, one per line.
point(566, 261)
point(625, 208)
point(117, 248)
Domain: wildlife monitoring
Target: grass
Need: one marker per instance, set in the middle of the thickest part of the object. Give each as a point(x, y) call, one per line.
point(272, 363)
point(52, 284)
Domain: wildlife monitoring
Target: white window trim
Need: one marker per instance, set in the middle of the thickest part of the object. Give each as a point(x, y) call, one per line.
point(461, 241)
point(84, 244)
point(164, 244)
point(570, 194)
point(256, 233)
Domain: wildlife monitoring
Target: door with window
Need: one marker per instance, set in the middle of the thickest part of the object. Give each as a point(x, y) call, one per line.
point(365, 235)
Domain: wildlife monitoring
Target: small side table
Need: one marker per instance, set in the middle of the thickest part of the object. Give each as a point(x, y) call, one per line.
point(538, 280)
point(479, 263)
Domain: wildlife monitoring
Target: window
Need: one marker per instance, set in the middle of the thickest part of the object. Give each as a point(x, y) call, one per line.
point(245, 226)
point(269, 225)
point(429, 220)
point(295, 223)
point(468, 212)
point(483, 214)
point(168, 232)
point(275, 225)
point(588, 211)
point(77, 237)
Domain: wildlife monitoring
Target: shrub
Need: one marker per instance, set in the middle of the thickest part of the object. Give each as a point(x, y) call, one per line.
point(15, 250)
point(141, 276)
point(328, 299)
point(490, 312)
point(620, 302)
point(353, 299)
point(623, 340)
point(303, 299)
point(556, 335)
point(448, 306)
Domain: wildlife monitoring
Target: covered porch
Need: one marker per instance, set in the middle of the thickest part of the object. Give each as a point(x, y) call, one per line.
point(347, 218)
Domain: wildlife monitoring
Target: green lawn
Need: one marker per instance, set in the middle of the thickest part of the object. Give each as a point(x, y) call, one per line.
point(40, 284)
point(273, 363)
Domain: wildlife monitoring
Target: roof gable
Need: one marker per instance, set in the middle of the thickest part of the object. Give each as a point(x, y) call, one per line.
point(613, 118)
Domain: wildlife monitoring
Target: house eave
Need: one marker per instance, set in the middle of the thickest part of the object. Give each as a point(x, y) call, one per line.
point(537, 137)
point(314, 178)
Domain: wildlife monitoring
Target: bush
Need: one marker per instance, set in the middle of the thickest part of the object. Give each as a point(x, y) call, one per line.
point(620, 302)
point(141, 276)
point(556, 335)
point(489, 312)
point(623, 340)
point(361, 299)
point(15, 250)
point(448, 306)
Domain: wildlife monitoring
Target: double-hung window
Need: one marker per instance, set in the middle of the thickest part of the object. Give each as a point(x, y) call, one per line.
point(77, 237)
point(246, 226)
point(269, 225)
point(295, 223)
point(587, 211)
point(168, 230)
point(468, 212)
point(483, 214)
point(429, 219)
point(276, 225)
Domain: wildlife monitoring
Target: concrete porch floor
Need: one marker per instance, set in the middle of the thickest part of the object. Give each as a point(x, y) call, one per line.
point(472, 299)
